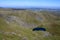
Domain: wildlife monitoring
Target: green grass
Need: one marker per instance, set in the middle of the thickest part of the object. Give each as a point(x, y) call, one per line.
point(51, 25)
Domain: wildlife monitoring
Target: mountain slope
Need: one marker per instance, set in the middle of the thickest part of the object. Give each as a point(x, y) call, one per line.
point(18, 25)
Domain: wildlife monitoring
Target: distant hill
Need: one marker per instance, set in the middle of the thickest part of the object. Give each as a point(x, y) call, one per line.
point(34, 8)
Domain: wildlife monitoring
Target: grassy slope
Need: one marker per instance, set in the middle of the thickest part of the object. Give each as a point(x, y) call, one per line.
point(21, 32)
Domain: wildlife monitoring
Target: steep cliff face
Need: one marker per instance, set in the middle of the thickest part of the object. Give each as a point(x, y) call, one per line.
point(18, 25)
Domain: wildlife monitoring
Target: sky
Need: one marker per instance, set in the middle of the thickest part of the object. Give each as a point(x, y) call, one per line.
point(30, 3)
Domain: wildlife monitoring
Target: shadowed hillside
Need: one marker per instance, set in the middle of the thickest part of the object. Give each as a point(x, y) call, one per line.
point(18, 24)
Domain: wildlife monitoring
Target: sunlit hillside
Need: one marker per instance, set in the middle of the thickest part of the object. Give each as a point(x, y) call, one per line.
point(18, 24)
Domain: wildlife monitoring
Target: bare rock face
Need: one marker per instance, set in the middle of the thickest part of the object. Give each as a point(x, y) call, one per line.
point(18, 21)
point(13, 33)
point(3, 39)
point(46, 34)
point(24, 38)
